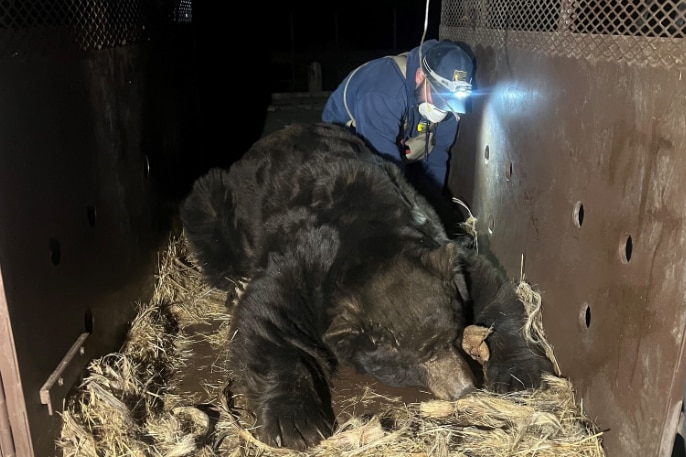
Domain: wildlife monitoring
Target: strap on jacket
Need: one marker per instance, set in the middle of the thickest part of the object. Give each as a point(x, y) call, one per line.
point(400, 60)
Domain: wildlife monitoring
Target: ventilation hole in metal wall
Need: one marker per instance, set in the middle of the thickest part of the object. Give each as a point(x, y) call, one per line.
point(487, 153)
point(159, 221)
point(491, 225)
point(146, 167)
point(578, 215)
point(626, 247)
point(585, 316)
point(91, 215)
point(88, 320)
point(508, 171)
point(155, 222)
point(55, 251)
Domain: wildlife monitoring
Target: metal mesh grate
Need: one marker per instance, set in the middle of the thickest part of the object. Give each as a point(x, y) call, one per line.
point(36, 26)
point(532, 16)
point(183, 11)
point(104, 23)
point(634, 18)
point(648, 32)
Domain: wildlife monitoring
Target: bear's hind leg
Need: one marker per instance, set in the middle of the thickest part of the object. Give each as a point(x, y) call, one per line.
point(217, 237)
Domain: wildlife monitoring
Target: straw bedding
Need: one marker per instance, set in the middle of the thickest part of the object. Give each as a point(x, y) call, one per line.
point(145, 400)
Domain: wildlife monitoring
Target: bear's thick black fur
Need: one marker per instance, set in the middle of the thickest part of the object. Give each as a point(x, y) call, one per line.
point(347, 264)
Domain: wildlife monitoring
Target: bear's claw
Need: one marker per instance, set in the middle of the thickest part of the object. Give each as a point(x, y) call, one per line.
point(295, 426)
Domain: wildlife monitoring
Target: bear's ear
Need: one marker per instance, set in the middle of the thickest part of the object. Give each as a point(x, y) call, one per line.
point(446, 263)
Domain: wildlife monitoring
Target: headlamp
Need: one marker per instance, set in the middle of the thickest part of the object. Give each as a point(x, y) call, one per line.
point(443, 100)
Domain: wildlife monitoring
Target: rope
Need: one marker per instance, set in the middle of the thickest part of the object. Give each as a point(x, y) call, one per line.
point(470, 224)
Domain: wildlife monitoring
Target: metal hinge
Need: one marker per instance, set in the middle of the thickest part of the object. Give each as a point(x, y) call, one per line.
point(65, 375)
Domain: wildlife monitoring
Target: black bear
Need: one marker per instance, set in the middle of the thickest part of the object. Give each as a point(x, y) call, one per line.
point(347, 264)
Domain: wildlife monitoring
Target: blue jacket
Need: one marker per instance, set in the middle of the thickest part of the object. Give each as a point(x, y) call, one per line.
point(380, 98)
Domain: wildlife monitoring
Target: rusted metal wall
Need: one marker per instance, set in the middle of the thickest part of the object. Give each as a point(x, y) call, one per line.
point(574, 161)
point(90, 118)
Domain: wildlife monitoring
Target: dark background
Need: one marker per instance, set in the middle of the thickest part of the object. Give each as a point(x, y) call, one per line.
point(245, 53)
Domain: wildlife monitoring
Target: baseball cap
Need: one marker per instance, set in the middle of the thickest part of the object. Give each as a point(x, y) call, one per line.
point(449, 68)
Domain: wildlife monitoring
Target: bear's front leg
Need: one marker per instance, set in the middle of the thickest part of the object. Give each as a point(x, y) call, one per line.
point(280, 366)
point(514, 363)
point(295, 411)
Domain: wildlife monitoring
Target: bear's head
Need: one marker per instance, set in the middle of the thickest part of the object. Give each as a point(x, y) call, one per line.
point(401, 320)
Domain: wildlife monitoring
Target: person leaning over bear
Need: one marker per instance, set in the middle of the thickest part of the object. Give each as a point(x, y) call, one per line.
point(412, 121)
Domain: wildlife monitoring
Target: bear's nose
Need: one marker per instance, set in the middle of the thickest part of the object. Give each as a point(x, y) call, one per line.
point(449, 376)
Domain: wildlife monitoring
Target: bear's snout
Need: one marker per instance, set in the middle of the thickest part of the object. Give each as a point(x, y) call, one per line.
point(449, 376)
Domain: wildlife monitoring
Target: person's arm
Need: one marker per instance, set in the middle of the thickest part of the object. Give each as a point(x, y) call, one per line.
point(436, 165)
point(378, 119)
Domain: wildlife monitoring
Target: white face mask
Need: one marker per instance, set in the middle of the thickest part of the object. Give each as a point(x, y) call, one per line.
point(431, 113)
